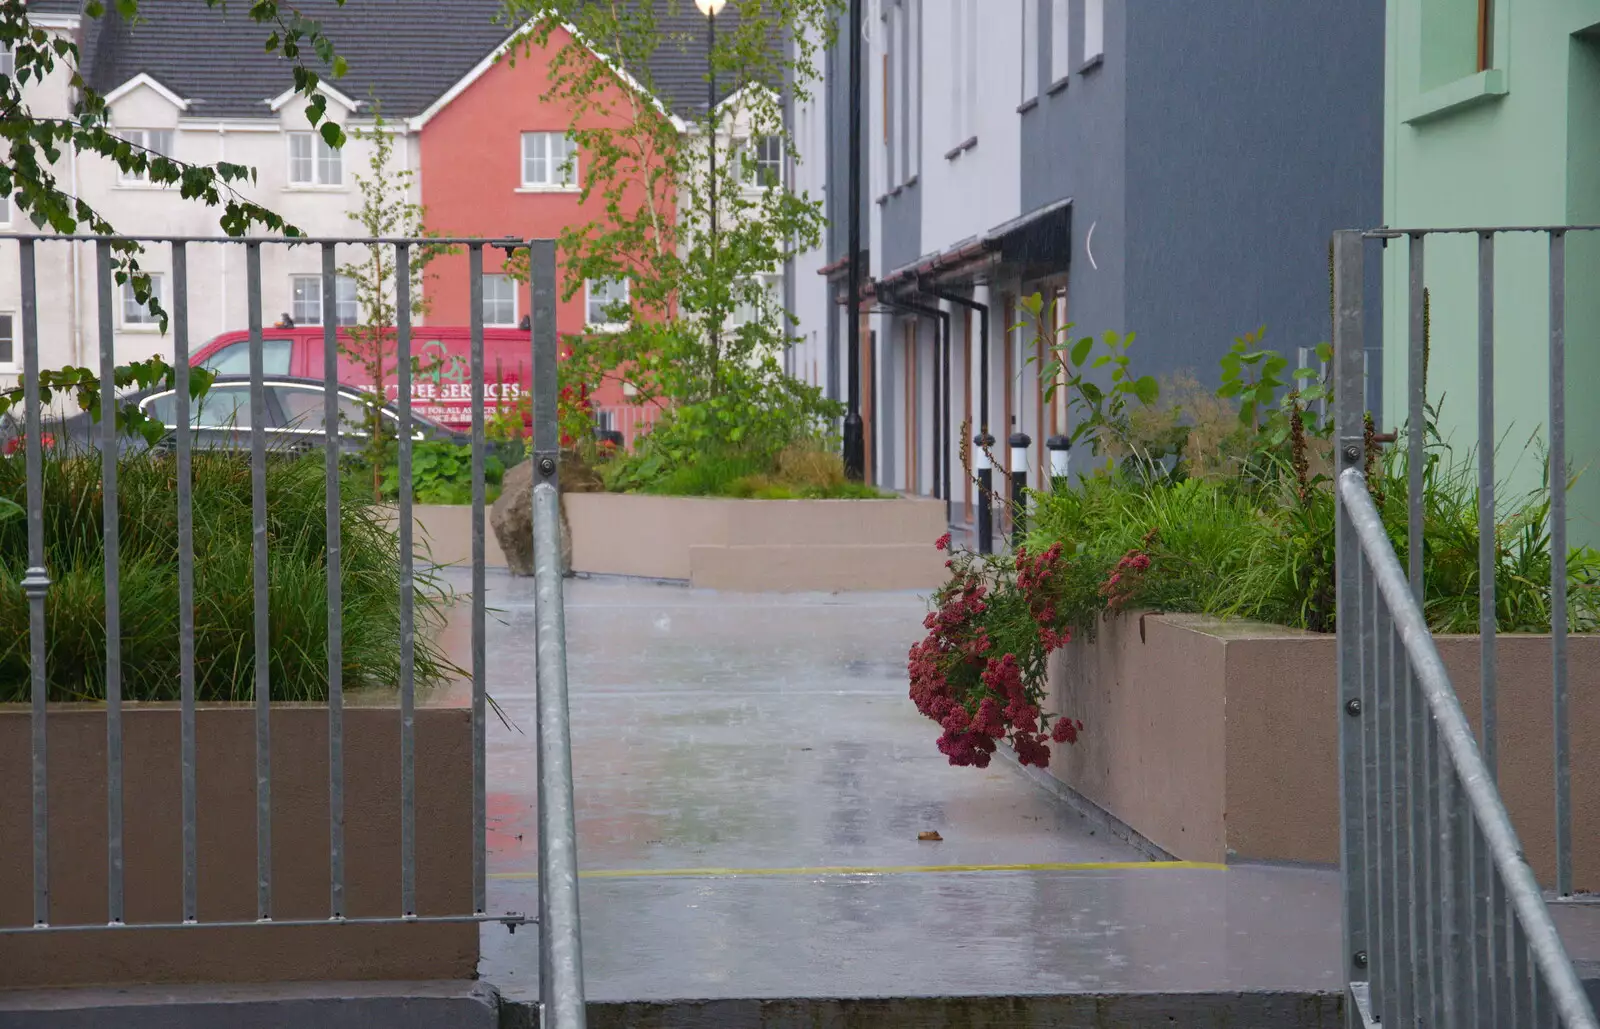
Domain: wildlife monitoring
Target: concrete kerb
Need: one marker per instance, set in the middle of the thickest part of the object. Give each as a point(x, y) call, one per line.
point(374, 1005)
point(1264, 1010)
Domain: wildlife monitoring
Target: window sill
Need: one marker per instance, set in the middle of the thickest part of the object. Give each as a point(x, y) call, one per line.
point(1091, 64)
point(1058, 85)
point(547, 189)
point(143, 185)
point(301, 187)
point(139, 327)
point(618, 327)
point(884, 199)
point(1028, 105)
point(961, 148)
point(1456, 96)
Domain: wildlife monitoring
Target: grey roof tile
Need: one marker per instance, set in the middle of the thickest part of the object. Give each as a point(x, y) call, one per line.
point(405, 53)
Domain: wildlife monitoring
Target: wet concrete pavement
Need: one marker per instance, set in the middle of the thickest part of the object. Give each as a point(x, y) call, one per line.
point(751, 781)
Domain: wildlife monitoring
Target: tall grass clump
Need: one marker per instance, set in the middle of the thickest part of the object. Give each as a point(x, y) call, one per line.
point(223, 590)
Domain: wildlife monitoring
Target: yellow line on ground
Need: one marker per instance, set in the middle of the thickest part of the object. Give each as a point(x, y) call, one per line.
point(706, 873)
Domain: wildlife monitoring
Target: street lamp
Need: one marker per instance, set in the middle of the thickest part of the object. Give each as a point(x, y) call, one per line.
point(712, 8)
point(855, 452)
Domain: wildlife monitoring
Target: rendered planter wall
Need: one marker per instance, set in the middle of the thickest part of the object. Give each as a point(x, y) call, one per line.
point(1218, 740)
point(225, 773)
point(760, 545)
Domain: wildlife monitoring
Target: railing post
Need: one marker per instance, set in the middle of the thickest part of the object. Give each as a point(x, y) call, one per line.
point(1349, 416)
point(984, 443)
point(560, 948)
point(1020, 441)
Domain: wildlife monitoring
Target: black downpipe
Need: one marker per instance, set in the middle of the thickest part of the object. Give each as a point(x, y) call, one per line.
point(854, 434)
point(982, 438)
point(941, 398)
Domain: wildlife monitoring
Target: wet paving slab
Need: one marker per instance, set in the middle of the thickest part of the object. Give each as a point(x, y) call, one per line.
point(751, 782)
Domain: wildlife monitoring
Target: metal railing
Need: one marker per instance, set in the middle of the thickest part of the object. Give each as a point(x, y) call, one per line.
point(1444, 921)
point(561, 959)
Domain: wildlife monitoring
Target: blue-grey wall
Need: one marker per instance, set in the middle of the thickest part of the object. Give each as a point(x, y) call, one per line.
point(836, 104)
point(900, 235)
point(1254, 131)
point(1073, 146)
point(1213, 153)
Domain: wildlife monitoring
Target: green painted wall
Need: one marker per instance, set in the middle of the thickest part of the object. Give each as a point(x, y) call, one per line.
point(1516, 145)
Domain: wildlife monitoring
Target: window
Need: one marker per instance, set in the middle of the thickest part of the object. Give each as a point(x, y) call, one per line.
point(964, 71)
point(549, 161)
point(1094, 29)
point(306, 300)
point(220, 407)
point(1060, 41)
point(607, 302)
point(913, 104)
point(500, 300)
point(765, 167)
point(135, 313)
point(234, 359)
point(8, 342)
point(312, 162)
point(156, 141)
point(5, 211)
point(1030, 49)
point(8, 62)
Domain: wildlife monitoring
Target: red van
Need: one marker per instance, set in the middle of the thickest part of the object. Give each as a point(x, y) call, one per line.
point(442, 392)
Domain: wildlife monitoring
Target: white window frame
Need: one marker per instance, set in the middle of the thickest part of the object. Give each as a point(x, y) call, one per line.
point(149, 139)
point(588, 305)
point(1060, 41)
point(1094, 31)
point(555, 180)
point(321, 157)
point(10, 320)
point(914, 90)
point(487, 300)
point(753, 173)
point(344, 294)
point(147, 322)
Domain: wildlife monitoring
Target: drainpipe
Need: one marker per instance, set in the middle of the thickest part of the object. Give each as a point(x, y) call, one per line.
point(983, 440)
point(222, 257)
point(941, 397)
point(77, 270)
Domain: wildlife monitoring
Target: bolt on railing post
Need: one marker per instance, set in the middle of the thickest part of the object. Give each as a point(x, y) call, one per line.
point(1020, 441)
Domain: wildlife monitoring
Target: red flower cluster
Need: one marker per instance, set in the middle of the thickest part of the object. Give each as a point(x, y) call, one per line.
point(1125, 579)
point(16, 443)
point(977, 696)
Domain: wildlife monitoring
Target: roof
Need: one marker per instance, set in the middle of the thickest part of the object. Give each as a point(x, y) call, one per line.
point(405, 53)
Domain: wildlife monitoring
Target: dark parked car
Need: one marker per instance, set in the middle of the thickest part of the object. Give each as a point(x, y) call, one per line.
point(293, 419)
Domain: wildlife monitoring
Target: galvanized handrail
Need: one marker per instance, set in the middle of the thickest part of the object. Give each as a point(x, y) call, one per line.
point(1470, 830)
point(562, 981)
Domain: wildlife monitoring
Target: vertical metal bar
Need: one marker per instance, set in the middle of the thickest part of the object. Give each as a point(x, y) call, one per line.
point(334, 506)
point(1496, 912)
point(1486, 538)
point(561, 988)
point(479, 584)
point(408, 629)
point(1519, 999)
point(1372, 790)
point(1453, 889)
point(263, 620)
point(1437, 889)
point(1413, 877)
point(1348, 349)
point(1402, 981)
point(36, 583)
point(1483, 889)
point(1558, 559)
point(109, 450)
point(1416, 388)
point(185, 469)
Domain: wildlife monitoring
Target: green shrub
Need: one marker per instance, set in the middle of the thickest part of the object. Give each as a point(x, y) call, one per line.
point(223, 614)
point(441, 473)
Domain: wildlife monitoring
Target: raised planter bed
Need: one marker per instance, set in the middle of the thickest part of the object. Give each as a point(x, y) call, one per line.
point(1217, 740)
point(225, 774)
point(760, 545)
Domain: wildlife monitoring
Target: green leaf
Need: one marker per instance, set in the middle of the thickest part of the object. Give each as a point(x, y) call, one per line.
point(1092, 392)
point(1081, 349)
point(1147, 389)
